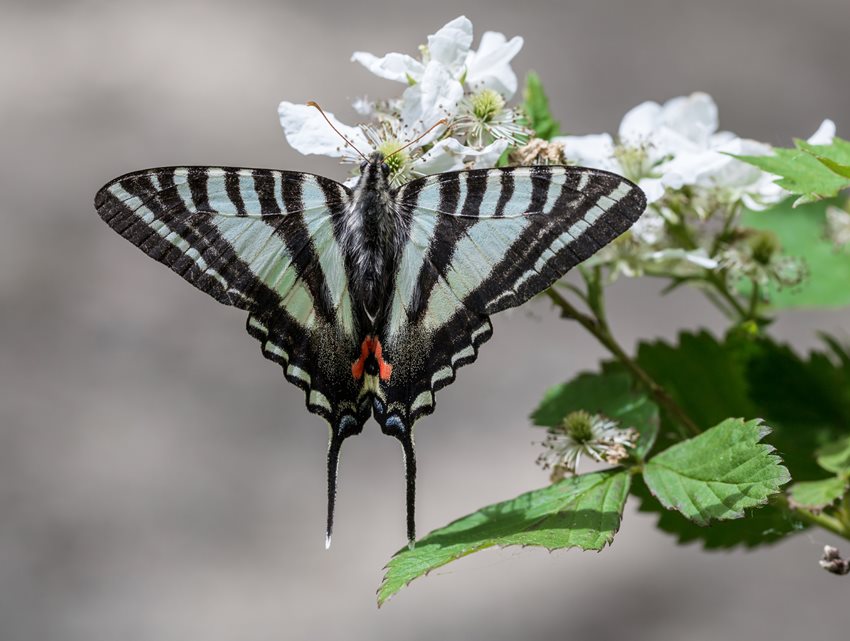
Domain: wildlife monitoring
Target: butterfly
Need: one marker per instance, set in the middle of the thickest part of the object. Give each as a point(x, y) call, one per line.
point(370, 298)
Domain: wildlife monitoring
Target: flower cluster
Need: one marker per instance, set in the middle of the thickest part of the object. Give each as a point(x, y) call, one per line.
point(696, 188)
point(450, 81)
point(695, 185)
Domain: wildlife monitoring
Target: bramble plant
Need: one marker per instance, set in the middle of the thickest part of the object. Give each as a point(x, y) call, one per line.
point(732, 440)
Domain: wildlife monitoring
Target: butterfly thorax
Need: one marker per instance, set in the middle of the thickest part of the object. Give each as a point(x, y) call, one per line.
point(373, 239)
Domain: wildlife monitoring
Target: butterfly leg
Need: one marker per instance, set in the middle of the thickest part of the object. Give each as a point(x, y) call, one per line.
point(395, 427)
point(347, 426)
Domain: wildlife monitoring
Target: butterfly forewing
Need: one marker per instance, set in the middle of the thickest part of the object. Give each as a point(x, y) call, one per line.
point(263, 241)
point(482, 241)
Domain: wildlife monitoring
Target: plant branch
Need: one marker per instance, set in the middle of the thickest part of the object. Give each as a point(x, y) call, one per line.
point(601, 332)
point(822, 520)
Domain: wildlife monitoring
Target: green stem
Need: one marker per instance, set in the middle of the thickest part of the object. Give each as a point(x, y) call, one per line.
point(720, 286)
point(754, 301)
point(601, 332)
point(822, 520)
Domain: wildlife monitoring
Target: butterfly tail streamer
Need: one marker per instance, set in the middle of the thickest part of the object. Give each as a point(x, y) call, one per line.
point(334, 446)
point(409, 459)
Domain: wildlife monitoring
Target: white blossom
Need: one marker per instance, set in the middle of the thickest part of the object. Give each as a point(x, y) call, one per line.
point(678, 144)
point(450, 49)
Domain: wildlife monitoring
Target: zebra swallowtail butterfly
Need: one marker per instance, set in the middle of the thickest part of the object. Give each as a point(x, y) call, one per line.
point(370, 299)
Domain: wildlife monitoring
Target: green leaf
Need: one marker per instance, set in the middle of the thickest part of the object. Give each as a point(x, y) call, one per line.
point(816, 495)
point(836, 156)
point(580, 511)
point(802, 172)
point(806, 400)
point(835, 457)
point(717, 474)
point(610, 394)
point(706, 378)
point(536, 107)
point(761, 526)
point(802, 233)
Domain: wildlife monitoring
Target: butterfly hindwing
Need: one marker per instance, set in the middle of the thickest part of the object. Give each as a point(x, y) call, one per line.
point(264, 241)
point(481, 241)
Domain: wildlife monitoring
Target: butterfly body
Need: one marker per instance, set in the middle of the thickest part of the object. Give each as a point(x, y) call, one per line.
point(370, 299)
point(374, 233)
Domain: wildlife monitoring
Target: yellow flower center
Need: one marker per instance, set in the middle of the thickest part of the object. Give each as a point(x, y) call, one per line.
point(486, 104)
point(397, 160)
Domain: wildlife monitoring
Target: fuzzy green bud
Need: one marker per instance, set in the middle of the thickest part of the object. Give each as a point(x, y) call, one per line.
point(579, 426)
point(764, 245)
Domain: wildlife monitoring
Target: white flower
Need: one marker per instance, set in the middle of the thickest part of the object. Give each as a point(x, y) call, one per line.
point(450, 49)
point(308, 133)
point(674, 145)
point(484, 117)
point(582, 433)
point(600, 152)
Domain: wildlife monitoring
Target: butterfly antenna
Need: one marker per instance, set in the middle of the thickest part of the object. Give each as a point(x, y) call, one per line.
point(347, 141)
point(418, 138)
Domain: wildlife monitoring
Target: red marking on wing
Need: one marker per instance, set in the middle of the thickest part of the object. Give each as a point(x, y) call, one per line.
point(371, 345)
point(384, 368)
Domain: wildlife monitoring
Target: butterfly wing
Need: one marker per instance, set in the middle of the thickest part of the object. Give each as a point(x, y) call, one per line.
point(481, 241)
point(264, 241)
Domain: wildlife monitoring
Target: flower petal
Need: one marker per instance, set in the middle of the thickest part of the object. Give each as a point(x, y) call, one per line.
point(487, 156)
point(715, 167)
point(824, 134)
point(640, 123)
point(307, 132)
point(449, 154)
point(490, 68)
point(682, 124)
point(437, 159)
point(594, 150)
point(693, 117)
point(393, 66)
point(698, 257)
point(653, 189)
point(450, 45)
point(426, 102)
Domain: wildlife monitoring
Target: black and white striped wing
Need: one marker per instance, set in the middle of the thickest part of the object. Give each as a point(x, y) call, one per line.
point(261, 240)
point(479, 242)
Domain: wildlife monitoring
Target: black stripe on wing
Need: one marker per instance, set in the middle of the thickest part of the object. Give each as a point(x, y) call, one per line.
point(499, 237)
point(568, 213)
point(190, 219)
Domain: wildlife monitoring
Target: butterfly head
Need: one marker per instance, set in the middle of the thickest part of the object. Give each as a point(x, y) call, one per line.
point(375, 165)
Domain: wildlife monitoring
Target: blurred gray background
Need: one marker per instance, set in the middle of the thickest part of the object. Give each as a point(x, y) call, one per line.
point(160, 480)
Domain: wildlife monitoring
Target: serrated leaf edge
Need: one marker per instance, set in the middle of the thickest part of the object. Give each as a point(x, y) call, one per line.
point(765, 448)
point(609, 541)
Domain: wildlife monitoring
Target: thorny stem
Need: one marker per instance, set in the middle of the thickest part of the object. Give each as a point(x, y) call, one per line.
point(599, 329)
